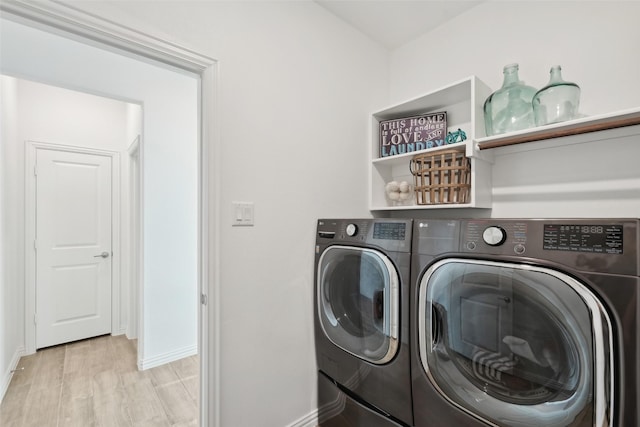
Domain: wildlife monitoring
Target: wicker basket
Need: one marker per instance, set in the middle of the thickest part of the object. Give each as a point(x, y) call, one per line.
point(441, 178)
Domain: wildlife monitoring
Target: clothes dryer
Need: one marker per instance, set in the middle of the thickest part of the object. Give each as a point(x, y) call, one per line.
point(361, 307)
point(525, 323)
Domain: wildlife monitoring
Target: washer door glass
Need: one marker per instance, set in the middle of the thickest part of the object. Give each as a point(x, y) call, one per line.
point(358, 297)
point(515, 345)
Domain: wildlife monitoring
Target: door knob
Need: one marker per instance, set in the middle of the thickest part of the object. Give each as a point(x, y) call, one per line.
point(103, 255)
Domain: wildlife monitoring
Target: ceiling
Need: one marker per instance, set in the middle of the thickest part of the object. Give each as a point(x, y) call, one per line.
point(395, 22)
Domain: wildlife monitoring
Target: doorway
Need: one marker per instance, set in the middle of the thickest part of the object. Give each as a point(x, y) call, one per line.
point(85, 161)
point(86, 139)
point(43, 62)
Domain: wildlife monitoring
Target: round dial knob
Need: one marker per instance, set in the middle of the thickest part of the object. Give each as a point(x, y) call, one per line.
point(494, 236)
point(352, 230)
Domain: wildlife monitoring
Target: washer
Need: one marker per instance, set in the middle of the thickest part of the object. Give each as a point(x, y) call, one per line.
point(362, 280)
point(525, 322)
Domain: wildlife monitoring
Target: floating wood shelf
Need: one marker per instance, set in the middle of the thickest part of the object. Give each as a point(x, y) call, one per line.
point(557, 130)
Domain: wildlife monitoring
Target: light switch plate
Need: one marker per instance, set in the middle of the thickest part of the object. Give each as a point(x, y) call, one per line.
point(242, 214)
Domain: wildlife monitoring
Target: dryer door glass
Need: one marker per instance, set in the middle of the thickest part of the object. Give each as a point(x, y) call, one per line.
point(514, 344)
point(358, 297)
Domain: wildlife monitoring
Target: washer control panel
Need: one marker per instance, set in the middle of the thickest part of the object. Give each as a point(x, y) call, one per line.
point(512, 236)
point(589, 238)
point(489, 236)
point(608, 245)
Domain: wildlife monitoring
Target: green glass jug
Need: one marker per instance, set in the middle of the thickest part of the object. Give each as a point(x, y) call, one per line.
point(509, 108)
point(558, 101)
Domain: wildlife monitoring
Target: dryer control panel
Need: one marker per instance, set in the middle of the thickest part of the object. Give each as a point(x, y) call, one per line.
point(388, 234)
point(390, 230)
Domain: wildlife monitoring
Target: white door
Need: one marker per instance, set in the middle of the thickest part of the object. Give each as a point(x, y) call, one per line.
point(73, 246)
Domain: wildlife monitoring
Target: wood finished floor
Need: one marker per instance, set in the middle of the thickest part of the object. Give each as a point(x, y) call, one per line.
point(96, 382)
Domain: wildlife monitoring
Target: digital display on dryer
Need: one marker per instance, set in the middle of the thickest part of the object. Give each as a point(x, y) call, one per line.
point(389, 230)
point(601, 238)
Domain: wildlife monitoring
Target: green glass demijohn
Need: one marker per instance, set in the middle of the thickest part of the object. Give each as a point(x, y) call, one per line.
point(509, 108)
point(558, 101)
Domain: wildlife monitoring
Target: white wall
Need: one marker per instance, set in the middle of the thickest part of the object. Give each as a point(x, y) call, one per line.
point(11, 291)
point(170, 174)
point(596, 43)
point(296, 89)
point(60, 116)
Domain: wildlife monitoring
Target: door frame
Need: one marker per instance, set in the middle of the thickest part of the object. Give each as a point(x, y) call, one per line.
point(59, 18)
point(136, 238)
point(31, 149)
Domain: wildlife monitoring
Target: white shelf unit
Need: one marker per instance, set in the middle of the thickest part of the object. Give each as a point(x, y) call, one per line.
point(463, 102)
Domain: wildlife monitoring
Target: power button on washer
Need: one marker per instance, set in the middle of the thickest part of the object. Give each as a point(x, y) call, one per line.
point(352, 230)
point(519, 249)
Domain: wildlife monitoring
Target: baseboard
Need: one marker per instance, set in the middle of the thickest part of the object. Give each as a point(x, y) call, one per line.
point(118, 332)
point(310, 420)
point(161, 359)
point(6, 377)
point(131, 334)
point(321, 414)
